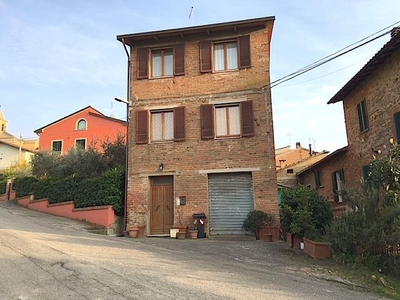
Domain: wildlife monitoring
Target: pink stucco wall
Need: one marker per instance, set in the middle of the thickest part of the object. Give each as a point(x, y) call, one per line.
point(100, 215)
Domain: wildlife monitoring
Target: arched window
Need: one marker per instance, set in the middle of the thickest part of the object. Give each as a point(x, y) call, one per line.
point(81, 125)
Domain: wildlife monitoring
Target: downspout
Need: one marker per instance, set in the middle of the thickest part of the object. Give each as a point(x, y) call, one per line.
point(127, 134)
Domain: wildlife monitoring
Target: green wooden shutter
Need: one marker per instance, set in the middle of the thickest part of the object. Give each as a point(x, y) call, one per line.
point(397, 124)
point(179, 124)
point(335, 188)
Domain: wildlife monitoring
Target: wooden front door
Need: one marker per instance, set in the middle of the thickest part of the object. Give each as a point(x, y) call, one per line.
point(162, 205)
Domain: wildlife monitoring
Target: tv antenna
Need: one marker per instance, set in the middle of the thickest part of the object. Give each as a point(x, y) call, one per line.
point(191, 14)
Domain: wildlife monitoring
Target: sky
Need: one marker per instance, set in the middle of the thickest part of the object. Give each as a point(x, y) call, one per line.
point(59, 56)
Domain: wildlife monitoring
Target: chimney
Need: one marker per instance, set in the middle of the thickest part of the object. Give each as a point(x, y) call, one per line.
point(394, 31)
point(298, 145)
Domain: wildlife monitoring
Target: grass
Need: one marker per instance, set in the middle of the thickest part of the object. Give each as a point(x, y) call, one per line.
point(384, 285)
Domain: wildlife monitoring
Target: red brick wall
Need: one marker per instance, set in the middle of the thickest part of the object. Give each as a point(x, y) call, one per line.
point(186, 159)
point(337, 162)
point(381, 92)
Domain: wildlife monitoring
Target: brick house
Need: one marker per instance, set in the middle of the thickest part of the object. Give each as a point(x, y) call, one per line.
point(83, 128)
point(201, 135)
point(371, 103)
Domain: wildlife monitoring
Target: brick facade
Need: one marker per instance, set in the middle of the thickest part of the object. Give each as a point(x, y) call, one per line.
point(191, 161)
point(377, 83)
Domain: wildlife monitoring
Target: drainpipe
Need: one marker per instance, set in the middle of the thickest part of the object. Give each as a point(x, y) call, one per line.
point(127, 133)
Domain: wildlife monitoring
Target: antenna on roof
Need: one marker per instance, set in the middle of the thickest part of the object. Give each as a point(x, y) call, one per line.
point(191, 14)
point(112, 113)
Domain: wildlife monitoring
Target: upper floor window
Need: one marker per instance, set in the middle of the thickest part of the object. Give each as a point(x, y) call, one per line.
point(160, 62)
point(81, 125)
point(338, 185)
point(220, 56)
point(56, 147)
point(80, 144)
point(362, 116)
point(227, 120)
point(164, 125)
point(225, 56)
point(318, 179)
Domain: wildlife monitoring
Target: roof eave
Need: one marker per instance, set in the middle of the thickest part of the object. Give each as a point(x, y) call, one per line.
point(185, 31)
point(386, 51)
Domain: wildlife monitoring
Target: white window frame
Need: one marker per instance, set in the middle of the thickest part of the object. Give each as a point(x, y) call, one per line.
point(165, 120)
point(77, 124)
point(83, 139)
point(232, 126)
point(52, 146)
point(163, 56)
point(228, 64)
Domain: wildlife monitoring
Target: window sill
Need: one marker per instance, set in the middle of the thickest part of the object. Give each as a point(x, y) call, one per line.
point(227, 137)
point(160, 142)
point(161, 77)
point(225, 71)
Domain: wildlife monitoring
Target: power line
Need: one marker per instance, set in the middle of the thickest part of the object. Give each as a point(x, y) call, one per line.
point(333, 56)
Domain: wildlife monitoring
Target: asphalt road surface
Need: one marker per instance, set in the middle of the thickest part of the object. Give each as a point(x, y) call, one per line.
point(49, 257)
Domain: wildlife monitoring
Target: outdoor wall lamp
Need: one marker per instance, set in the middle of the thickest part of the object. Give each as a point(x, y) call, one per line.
point(161, 167)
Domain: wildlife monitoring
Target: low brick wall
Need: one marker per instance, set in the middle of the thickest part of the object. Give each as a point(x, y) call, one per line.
point(100, 215)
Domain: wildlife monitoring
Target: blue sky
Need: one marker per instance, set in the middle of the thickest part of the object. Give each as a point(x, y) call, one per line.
point(57, 57)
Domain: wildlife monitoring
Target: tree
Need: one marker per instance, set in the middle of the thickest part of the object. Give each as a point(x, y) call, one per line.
point(371, 226)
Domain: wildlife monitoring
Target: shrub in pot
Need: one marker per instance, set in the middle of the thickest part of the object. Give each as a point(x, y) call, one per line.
point(255, 219)
point(303, 210)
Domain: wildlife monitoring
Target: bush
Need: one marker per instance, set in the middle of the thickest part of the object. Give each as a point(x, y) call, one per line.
point(372, 223)
point(3, 187)
point(24, 186)
point(304, 212)
point(255, 219)
point(107, 189)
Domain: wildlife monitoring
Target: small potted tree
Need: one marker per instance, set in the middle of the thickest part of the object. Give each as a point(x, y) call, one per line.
point(256, 220)
point(304, 213)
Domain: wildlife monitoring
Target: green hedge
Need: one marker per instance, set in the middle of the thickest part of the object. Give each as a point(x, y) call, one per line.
point(3, 187)
point(107, 189)
point(24, 186)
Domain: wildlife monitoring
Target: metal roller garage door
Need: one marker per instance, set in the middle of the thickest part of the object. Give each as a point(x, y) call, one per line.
point(230, 200)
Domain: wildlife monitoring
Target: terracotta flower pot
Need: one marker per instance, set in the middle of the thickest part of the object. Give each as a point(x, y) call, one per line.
point(133, 233)
point(317, 249)
point(181, 235)
point(193, 234)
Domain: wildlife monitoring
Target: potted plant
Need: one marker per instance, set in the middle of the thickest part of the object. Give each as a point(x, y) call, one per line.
point(303, 211)
point(255, 220)
point(315, 244)
point(133, 231)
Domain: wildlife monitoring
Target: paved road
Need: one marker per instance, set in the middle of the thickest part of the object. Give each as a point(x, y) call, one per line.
point(48, 257)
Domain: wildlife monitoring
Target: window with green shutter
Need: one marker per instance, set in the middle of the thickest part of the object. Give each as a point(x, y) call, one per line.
point(337, 185)
point(362, 116)
point(397, 124)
